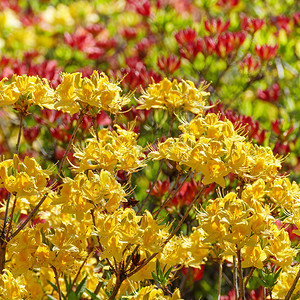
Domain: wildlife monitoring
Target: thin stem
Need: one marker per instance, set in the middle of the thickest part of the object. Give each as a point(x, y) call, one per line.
point(30, 216)
point(100, 284)
point(194, 202)
point(264, 293)
point(183, 282)
point(20, 133)
point(220, 280)
point(96, 127)
point(151, 188)
point(249, 276)
point(292, 288)
point(55, 178)
point(130, 257)
point(100, 245)
point(9, 195)
point(235, 282)
point(57, 283)
point(81, 115)
point(240, 273)
point(11, 219)
point(80, 268)
point(168, 196)
point(5, 216)
point(116, 288)
point(159, 170)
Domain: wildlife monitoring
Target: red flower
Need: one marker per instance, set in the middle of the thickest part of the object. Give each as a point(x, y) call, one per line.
point(282, 22)
point(249, 64)
point(30, 134)
point(251, 25)
point(228, 3)
point(169, 65)
point(269, 95)
point(266, 52)
point(142, 7)
point(216, 26)
point(228, 42)
point(185, 36)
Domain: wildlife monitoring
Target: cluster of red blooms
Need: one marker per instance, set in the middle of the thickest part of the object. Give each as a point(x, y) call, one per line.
point(91, 40)
point(47, 69)
point(270, 95)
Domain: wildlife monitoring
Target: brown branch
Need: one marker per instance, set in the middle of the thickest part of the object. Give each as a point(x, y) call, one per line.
point(57, 282)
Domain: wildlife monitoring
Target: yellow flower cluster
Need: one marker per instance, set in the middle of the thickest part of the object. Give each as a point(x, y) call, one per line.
point(172, 96)
point(79, 195)
point(215, 148)
point(248, 224)
point(24, 91)
point(11, 288)
point(25, 180)
point(121, 231)
point(117, 150)
point(73, 94)
point(89, 94)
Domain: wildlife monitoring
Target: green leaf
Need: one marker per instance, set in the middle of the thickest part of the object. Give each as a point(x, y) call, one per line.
point(168, 273)
point(92, 295)
point(155, 277)
point(81, 287)
point(53, 285)
point(73, 296)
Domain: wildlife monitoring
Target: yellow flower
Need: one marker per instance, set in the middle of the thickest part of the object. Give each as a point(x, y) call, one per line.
point(117, 150)
point(253, 256)
point(280, 247)
point(11, 288)
point(24, 91)
point(30, 179)
point(172, 96)
point(285, 281)
point(92, 94)
point(153, 293)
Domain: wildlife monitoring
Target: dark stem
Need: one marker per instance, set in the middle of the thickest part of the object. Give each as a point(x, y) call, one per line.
point(57, 283)
point(96, 127)
point(116, 288)
point(220, 280)
point(81, 115)
point(130, 257)
point(20, 133)
point(80, 268)
point(168, 197)
point(235, 282)
point(183, 282)
point(11, 219)
point(249, 276)
point(158, 172)
point(240, 273)
point(100, 284)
